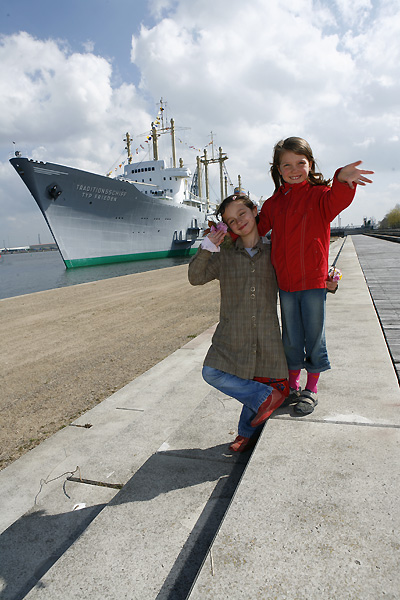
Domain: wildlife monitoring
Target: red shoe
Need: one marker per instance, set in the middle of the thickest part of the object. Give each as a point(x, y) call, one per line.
point(241, 444)
point(274, 400)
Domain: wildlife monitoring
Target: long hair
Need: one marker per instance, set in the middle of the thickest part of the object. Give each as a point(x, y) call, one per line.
point(298, 146)
point(242, 197)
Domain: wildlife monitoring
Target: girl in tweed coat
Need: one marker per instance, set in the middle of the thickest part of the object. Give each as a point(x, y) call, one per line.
point(246, 359)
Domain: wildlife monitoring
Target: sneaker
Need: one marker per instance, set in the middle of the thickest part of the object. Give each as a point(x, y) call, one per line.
point(266, 409)
point(307, 402)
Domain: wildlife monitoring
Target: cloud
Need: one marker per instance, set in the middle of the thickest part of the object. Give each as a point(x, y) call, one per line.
point(64, 101)
point(354, 12)
point(88, 46)
point(261, 72)
point(61, 107)
point(250, 73)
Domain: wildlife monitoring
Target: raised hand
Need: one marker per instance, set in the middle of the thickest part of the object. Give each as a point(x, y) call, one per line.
point(216, 232)
point(217, 236)
point(350, 175)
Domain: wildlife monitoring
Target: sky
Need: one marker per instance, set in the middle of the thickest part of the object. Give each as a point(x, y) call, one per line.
point(76, 76)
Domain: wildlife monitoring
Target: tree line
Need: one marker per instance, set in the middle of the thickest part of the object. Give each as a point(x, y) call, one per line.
point(392, 219)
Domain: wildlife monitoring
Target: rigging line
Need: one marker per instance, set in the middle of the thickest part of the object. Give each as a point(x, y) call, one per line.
point(116, 162)
point(227, 174)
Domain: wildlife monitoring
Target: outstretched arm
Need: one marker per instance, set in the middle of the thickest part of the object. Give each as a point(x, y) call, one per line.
point(351, 175)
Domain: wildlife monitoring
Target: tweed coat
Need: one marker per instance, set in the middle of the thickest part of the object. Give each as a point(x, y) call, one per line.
point(247, 341)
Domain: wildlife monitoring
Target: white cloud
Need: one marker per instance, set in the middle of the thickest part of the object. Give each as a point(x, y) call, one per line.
point(354, 12)
point(88, 46)
point(250, 73)
point(54, 101)
point(60, 107)
point(277, 68)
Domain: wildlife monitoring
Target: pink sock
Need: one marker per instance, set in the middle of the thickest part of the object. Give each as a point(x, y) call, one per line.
point(294, 379)
point(312, 382)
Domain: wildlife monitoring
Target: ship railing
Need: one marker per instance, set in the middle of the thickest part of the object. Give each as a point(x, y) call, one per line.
point(135, 182)
point(196, 201)
point(159, 193)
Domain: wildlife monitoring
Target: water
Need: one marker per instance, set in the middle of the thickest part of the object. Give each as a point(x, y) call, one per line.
point(38, 271)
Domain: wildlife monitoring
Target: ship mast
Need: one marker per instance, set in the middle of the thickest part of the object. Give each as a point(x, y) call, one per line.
point(128, 141)
point(154, 133)
point(206, 161)
point(221, 174)
point(199, 184)
point(173, 143)
point(155, 141)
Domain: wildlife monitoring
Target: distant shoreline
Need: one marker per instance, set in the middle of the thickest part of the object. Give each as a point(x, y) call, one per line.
point(26, 251)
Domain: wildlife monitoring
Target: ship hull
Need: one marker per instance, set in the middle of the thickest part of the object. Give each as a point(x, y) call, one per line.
point(97, 220)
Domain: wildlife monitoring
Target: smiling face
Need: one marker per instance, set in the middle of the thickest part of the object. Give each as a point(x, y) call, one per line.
point(240, 219)
point(294, 168)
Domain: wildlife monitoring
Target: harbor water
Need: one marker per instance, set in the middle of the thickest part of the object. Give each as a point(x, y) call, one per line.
point(29, 272)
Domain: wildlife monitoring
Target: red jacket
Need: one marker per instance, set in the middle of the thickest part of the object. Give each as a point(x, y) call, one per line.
point(300, 216)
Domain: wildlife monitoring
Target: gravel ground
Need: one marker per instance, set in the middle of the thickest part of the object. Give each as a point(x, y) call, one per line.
point(65, 350)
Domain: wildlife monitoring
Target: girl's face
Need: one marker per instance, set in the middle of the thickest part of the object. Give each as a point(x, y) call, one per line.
point(240, 219)
point(294, 168)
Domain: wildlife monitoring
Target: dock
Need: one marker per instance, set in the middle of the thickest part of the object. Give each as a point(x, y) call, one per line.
point(380, 263)
point(141, 499)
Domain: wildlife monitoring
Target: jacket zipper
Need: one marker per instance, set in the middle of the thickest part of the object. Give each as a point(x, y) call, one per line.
point(302, 251)
point(285, 230)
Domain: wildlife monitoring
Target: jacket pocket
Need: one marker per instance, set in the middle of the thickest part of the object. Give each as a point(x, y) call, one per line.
point(222, 334)
point(318, 255)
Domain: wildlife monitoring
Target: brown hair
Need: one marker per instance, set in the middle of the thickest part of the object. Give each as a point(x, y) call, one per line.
point(242, 197)
point(298, 146)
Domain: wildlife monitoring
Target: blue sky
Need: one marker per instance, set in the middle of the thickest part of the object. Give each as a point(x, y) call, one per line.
point(74, 77)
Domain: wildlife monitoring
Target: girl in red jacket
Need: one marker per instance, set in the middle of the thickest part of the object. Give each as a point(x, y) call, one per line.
point(299, 214)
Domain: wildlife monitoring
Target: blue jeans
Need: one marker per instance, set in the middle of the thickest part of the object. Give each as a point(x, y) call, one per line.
point(250, 393)
point(303, 330)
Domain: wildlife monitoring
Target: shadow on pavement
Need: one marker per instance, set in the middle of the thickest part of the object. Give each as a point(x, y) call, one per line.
point(34, 543)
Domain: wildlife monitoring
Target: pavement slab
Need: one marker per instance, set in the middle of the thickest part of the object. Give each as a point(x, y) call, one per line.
point(315, 516)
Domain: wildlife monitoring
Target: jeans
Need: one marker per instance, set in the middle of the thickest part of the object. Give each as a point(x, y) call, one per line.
point(303, 330)
point(250, 393)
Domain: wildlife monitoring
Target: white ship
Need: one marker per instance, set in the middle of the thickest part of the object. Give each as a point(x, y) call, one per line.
point(151, 211)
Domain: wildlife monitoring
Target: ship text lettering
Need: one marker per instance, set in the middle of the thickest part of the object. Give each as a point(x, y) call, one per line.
point(99, 193)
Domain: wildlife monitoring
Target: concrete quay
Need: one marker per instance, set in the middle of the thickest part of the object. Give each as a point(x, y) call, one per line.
point(312, 513)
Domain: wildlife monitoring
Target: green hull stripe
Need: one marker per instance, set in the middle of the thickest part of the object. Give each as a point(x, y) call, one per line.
point(103, 260)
